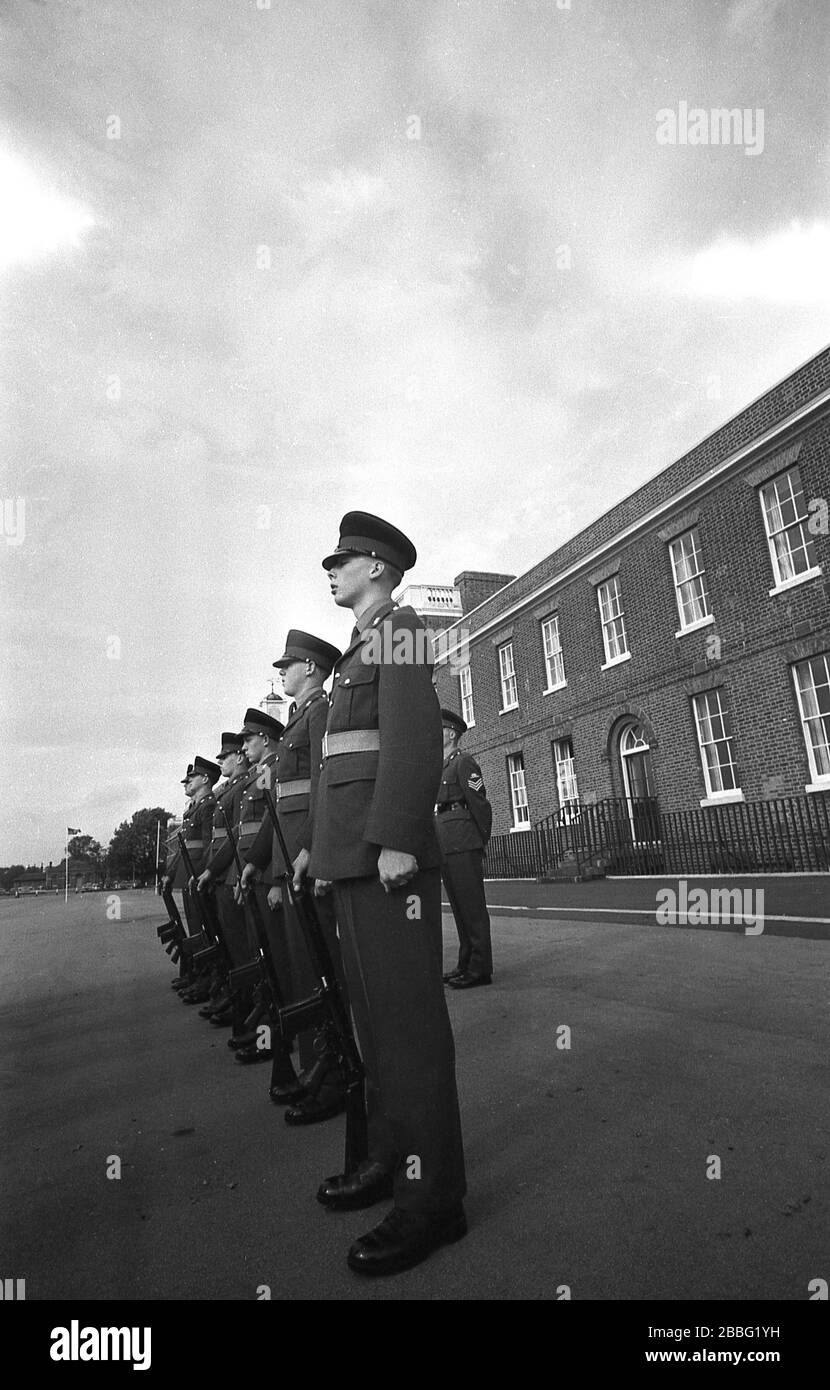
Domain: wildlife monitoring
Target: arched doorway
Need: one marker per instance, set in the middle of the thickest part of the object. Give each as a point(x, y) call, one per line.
point(638, 783)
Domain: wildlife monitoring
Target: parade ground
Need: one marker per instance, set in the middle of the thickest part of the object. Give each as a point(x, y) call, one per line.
point(644, 1107)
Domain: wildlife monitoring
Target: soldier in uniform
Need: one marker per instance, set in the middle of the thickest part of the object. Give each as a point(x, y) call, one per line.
point(234, 767)
point(196, 824)
point(463, 821)
point(374, 839)
point(260, 739)
point(181, 981)
point(196, 827)
point(165, 879)
point(304, 665)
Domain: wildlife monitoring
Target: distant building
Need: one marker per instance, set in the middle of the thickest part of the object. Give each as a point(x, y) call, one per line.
point(32, 881)
point(275, 705)
point(673, 656)
point(46, 880)
point(441, 607)
point(438, 604)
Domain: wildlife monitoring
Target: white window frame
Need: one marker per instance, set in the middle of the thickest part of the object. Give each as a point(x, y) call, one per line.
point(787, 487)
point(465, 686)
point(566, 781)
point(553, 655)
point(819, 781)
point(518, 792)
point(507, 675)
point(612, 618)
point(689, 574)
point(715, 796)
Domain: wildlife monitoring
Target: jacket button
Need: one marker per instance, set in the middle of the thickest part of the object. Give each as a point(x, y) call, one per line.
point(346, 681)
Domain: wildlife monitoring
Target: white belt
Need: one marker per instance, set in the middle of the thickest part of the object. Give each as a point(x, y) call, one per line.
point(218, 835)
point(299, 787)
point(249, 827)
point(193, 844)
point(351, 741)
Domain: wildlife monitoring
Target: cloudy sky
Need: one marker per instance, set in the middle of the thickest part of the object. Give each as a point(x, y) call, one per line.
point(264, 263)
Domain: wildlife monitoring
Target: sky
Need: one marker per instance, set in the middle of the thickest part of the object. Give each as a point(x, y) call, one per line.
point(262, 264)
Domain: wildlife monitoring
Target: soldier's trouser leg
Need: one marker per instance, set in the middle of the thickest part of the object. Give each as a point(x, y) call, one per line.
point(235, 936)
point(465, 945)
point(465, 872)
point(392, 960)
point(193, 923)
point(232, 919)
point(274, 921)
point(248, 945)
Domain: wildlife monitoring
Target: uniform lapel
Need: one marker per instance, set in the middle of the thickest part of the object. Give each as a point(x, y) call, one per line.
point(300, 710)
point(358, 638)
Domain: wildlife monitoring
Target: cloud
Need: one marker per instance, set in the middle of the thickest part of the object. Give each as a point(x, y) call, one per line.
point(35, 220)
point(413, 341)
point(753, 14)
point(787, 267)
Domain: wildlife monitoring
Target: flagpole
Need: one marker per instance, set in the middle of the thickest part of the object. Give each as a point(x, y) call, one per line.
point(158, 844)
point(66, 870)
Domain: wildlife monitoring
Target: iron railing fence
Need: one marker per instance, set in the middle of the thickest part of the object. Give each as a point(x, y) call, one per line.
point(785, 834)
point(513, 856)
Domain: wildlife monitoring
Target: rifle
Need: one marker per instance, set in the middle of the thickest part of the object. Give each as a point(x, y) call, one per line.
point(201, 940)
point(325, 1006)
point(174, 919)
point(171, 933)
point(170, 937)
point(209, 919)
point(282, 1071)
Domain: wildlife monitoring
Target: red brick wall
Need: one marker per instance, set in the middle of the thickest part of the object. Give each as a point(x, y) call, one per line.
point(760, 636)
point(475, 586)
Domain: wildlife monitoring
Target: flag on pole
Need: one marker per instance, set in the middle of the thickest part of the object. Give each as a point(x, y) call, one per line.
point(69, 831)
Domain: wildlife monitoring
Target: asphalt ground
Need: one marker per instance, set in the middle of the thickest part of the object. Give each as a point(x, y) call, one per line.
point(591, 1154)
point(789, 904)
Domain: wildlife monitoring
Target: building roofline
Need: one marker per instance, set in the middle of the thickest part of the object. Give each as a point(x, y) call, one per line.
point(815, 405)
point(788, 376)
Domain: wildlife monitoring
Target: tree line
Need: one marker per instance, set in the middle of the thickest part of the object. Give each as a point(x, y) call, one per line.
point(130, 854)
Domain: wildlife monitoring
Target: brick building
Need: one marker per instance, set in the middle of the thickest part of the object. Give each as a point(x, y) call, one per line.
point(674, 654)
point(51, 879)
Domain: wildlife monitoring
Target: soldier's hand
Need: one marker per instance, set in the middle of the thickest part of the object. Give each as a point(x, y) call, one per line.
point(203, 880)
point(275, 896)
point(165, 883)
point(248, 875)
point(300, 869)
point(322, 886)
point(396, 868)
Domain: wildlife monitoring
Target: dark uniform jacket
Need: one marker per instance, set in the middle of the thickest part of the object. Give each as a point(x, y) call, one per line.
point(249, 805)
point(171, 843)
point(196, 827)
point(463, 815)
point(228, 800)
point(294, 779)
point(383, 798)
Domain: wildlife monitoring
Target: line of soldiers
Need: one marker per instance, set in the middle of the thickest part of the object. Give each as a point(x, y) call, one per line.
point(326, 840)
